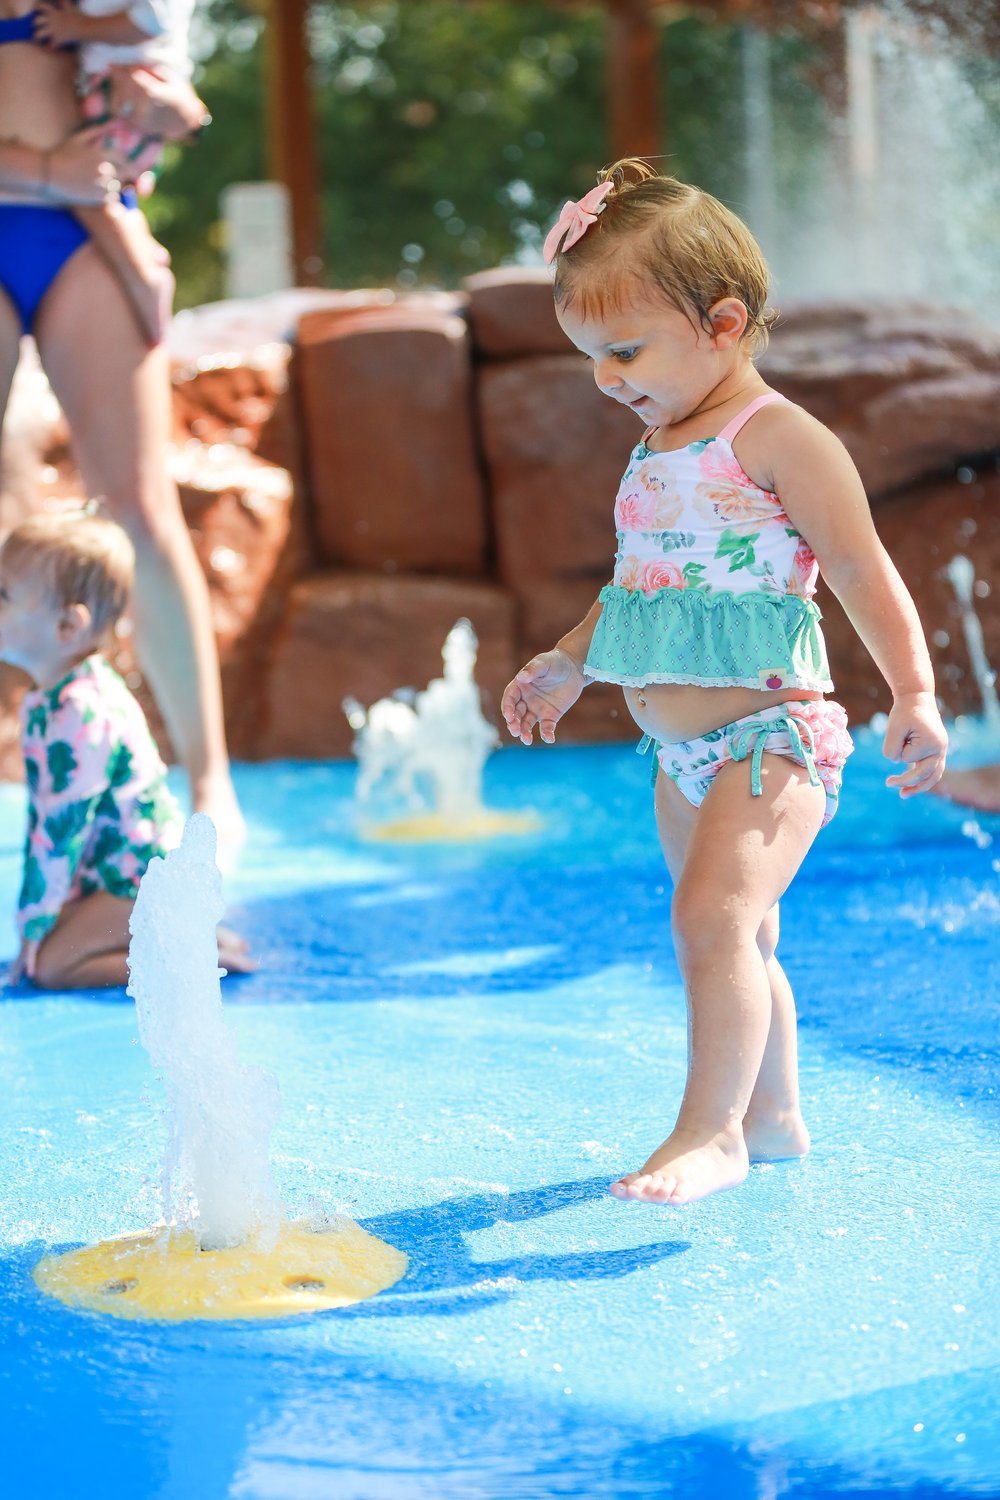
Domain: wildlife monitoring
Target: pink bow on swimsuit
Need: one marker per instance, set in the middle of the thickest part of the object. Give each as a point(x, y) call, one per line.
point(574, 221)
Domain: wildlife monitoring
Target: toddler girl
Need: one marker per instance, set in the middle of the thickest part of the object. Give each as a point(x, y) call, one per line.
point(147, 34)
point(98, 806)
point(731, 503)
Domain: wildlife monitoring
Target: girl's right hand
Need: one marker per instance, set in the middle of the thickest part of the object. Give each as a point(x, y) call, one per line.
point(540, 694)
point(78, 170)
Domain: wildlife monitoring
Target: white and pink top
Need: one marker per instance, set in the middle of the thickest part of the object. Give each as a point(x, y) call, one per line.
point(712, 585)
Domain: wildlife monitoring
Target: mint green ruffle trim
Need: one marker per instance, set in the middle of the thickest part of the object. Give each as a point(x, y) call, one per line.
point(710, 639)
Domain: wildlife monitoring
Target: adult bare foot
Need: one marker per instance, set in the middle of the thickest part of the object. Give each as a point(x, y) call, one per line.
point(776, 1138)
point(978, 788)
point(216, 796)
point(687, 1167)
point(234, 952)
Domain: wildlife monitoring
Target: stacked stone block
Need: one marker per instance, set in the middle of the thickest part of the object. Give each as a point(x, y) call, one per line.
point(360, 470)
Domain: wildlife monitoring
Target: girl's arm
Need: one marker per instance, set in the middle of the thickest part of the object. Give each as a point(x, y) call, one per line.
point(550, 683)
point(823, 497)
point(75, 171)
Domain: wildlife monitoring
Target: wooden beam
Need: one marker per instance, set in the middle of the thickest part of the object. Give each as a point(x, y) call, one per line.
point(635, 124)
point(292, 132)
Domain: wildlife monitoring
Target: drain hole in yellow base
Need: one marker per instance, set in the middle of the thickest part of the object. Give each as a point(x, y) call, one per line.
point(164, 1276)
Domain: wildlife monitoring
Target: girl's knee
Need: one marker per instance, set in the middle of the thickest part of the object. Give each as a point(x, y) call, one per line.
point(696, 919)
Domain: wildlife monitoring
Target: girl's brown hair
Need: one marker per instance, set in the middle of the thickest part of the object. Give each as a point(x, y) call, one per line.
point(658, 233)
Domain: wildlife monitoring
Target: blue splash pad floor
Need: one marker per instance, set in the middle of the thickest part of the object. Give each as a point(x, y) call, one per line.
point(471, 1042)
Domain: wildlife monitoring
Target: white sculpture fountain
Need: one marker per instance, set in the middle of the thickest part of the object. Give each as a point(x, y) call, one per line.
point(421, 756)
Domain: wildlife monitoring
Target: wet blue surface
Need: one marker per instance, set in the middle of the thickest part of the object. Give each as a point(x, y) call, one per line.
point(471, 1042)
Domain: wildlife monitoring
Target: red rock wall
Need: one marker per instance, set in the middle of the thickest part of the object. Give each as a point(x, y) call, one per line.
point(359, 471)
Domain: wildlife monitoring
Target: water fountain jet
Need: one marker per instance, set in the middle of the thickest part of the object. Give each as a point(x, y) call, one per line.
point(422, 755)
point(238, 1256)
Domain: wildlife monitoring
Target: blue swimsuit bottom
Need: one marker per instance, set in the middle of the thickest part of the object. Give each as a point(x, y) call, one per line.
point(35, 244)
point(36, 241)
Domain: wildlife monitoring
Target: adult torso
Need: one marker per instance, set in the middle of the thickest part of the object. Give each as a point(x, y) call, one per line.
point(38, 103)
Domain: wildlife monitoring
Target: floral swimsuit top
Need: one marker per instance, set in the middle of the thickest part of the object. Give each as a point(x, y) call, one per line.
point(712, 583)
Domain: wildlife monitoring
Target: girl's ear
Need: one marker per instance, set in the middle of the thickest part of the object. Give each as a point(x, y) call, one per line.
point(75, 621)
point(729, 319)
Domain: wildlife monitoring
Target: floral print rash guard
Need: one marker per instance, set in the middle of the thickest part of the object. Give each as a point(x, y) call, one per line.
point(98, 805)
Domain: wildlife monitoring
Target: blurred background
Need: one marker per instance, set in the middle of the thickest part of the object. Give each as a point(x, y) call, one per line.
point(422, 140)
point(379, 427)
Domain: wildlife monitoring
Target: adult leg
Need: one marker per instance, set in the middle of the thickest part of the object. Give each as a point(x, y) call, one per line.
point(773, 1127)
point(115, 394)
point(10, 349)
point(741, 854)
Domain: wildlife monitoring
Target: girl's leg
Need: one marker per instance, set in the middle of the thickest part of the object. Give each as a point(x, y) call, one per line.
point(740, 857)
point(87, 947)
point(773, 1127)
point(116, 396)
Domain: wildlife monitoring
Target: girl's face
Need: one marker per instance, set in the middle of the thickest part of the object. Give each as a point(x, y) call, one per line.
point(30, 635)
point(654, 359)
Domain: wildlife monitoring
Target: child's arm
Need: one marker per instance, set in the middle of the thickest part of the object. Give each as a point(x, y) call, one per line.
point(58, 23)
point(139, 261)
point(549, 684)
point(822, 494)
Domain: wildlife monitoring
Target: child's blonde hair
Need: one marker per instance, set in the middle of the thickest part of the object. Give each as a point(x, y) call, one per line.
point(79, 558)
point(658, 232)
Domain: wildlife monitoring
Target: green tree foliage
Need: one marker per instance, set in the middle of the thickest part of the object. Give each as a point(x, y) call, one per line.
point(450, 131)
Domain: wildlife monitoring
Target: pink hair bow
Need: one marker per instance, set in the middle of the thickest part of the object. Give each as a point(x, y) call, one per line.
point(575, 220)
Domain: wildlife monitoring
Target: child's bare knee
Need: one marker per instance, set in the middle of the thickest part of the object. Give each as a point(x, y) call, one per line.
point(694, 918)
point(49, 973)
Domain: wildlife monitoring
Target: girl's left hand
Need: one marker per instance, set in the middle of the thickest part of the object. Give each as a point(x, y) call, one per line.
point(915, 734)
point(56, 23)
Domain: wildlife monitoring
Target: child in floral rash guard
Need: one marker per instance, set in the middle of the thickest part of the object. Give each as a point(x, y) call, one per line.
point(98, 806)
point(99, 809)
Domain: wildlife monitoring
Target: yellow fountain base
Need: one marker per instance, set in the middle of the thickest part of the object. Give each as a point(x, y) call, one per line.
point(432, 828)
point(165, 1276)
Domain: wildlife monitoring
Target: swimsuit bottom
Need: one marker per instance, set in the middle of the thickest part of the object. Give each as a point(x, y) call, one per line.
point(36, 241)
point(812, 733)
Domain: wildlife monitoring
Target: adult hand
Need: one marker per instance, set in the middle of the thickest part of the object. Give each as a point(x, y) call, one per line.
point(56, 23)
point(540, 694)
point(155, 103)
point(79, 169)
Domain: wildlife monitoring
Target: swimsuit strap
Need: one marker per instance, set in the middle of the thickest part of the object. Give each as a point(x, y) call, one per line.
point(742, 417)
point(751, 740)
point(18, 29)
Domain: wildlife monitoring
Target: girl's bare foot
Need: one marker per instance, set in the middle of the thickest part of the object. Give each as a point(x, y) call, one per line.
point(687, 1167)
point(777, 1137)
